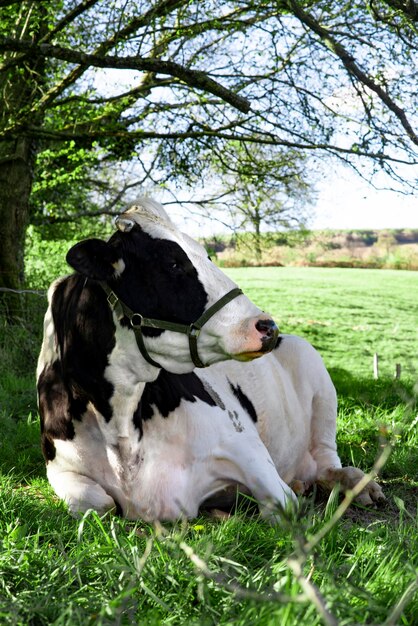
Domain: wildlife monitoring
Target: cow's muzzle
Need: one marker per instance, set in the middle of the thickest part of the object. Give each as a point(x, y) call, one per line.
point(262, 333)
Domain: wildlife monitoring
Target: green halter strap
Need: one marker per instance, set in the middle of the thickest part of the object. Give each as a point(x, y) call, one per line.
point(138, 322)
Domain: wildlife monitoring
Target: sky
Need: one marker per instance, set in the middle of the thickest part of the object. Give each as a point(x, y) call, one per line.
point(344, 202)
point(348, 202)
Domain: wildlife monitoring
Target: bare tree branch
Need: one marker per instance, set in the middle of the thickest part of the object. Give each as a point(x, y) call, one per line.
point(158, 10)
point(261, 138)
point(409, 8)
point(352, 67)
point(194, 78)
point(68, 19)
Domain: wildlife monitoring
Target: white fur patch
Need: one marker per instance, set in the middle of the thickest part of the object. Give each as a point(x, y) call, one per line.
point(119, 266)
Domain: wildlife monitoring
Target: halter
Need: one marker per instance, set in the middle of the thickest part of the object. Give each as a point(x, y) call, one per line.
point(138, 322)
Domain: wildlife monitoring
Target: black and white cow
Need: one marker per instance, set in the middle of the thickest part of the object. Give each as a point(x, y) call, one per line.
point(129, 424)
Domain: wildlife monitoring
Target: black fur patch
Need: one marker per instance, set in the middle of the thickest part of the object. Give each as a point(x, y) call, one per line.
point(85, 333)
point(166, 393)
point(244, 401)
point(278, 342)
point(55, 408)
point(119, 510)
point(48, 447)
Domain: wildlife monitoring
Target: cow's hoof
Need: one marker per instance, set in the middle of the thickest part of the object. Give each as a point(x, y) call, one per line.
point(300, 487)
point(218, 514)
point(347, 478)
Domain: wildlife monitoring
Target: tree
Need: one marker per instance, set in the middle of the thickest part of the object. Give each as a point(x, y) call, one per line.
point(314, 77)
point(386, 240)
point(251, 188)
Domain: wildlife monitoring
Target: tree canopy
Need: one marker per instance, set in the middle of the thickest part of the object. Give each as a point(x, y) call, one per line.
point(91, 87)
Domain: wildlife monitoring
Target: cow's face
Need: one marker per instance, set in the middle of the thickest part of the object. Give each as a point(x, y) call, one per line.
point(161, 273)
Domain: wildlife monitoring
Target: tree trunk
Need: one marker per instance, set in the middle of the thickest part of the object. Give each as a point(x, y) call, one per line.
point(257, 229)
point(16, 169)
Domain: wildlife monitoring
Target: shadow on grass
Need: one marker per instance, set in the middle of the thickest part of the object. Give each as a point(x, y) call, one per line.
point(373, 413)
point(386, 393)
point(20, 448)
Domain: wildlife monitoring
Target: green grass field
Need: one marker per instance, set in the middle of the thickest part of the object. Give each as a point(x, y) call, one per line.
point(360, 567)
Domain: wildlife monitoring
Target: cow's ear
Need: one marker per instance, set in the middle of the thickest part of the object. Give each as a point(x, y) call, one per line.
point(95, 259)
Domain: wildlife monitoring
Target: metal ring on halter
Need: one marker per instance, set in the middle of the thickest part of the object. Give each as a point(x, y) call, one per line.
point(141, 320)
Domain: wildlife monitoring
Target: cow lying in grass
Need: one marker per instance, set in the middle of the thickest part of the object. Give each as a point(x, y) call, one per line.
point(128, 422)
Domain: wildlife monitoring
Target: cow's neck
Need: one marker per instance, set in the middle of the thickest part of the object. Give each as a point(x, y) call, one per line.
point(128, 373)
point(124, 403)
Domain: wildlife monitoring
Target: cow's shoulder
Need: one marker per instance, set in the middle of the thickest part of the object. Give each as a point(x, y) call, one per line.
point(295, 349)
point(85, 334)
point(304, 365)
point(79, 336)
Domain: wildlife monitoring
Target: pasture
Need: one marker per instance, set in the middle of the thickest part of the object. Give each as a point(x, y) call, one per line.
point(326, 567)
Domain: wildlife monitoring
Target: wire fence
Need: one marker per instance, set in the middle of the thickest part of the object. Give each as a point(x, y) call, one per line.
point(21, 329)
point(24, 308)
point(36, 292)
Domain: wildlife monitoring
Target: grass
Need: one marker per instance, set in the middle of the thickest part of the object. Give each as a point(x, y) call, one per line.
point(61, 571)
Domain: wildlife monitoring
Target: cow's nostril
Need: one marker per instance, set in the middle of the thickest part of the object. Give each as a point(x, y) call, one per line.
point(267, 328)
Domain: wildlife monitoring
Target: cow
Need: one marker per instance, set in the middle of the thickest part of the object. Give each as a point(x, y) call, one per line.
point(161, 385)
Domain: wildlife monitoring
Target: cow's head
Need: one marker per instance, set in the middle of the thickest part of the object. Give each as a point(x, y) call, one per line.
point(160, 273)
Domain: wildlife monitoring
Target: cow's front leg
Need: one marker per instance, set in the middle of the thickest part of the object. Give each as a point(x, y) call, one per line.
point(81, 493)
point(251, 465)
point(272, 493)
point(324, 455)
point(347, 478)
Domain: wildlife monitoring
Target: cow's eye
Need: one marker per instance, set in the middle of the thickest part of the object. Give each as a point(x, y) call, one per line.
point(176, 268)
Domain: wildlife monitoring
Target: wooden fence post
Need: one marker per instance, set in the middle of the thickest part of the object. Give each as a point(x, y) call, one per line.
point(398, 369)
point(376, 365)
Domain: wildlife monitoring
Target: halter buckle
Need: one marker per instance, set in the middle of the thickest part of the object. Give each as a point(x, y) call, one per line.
point(112, 300)
point(193, 331)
